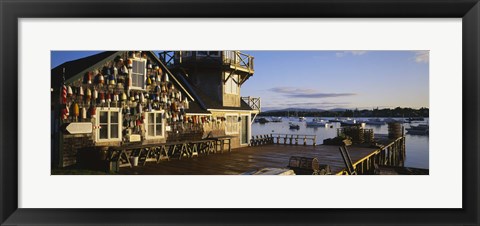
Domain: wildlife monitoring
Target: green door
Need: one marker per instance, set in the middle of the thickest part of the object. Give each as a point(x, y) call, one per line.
point(244, 130)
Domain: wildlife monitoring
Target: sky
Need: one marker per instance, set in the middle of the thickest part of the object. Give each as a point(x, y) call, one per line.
point(329, 79)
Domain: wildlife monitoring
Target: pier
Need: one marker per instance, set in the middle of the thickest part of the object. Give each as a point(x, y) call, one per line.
point(364, 157)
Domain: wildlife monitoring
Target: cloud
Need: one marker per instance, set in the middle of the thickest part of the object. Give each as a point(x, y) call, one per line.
point(422, 56)
point(352, 52)
point(306, 93)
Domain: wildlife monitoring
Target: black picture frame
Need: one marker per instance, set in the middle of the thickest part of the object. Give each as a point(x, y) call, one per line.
point(11, 11)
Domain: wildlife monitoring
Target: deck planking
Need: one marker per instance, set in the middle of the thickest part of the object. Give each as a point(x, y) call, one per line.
point(247, 159)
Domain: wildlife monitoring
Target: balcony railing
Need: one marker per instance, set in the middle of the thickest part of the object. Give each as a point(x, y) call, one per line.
point(234, 59)
point(253, 102)
point(238, 59)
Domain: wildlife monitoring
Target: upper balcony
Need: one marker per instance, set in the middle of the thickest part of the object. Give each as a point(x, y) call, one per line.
point(232, 59)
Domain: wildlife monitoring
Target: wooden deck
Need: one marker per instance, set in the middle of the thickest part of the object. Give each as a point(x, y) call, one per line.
point(247, 159)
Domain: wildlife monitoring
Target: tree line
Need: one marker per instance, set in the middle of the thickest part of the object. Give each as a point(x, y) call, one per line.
point(386, 112)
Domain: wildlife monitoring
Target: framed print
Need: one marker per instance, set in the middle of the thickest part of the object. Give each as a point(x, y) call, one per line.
point(154, 108)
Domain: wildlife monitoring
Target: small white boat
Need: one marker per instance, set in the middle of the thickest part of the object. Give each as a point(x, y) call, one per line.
point(352, 122)
point(301, 119)
point(276, 119)
point(421, 129)
point(335, 120)
point(317, 122)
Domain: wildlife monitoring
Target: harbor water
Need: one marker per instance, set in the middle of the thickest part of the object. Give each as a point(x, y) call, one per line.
point(417, 146)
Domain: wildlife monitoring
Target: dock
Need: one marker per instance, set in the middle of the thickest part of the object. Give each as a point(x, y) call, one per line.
point(245, 159)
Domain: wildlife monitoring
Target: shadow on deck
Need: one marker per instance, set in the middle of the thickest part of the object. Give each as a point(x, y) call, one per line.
point(246, 159)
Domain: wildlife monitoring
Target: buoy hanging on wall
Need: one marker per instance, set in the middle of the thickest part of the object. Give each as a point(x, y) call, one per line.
point(139, 108)
point(84, 113)
point(142, 98)
point(102, 98)
point(80, 91)
point(186, 104)
point(65, 113)
point(165, 78)
point(111, 80)
point(88, 95)
point(92, 111)
point(76, 110)
point(100, 79)
point(95, 95)
point(69, 91)
point(63, 96)
point(129, 63)
point(88, 78)
point(124, 96)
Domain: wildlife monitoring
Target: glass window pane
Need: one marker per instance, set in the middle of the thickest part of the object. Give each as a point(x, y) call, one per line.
point(150, 118)
point(104, 132)
point(159, 129)
point(113, 131)
point(103, 117)
point(113, 117)
point(134, 80)
point(158, 118)
point(150, 130)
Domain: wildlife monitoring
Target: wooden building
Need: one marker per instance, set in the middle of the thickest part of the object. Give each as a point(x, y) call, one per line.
point(120, 98)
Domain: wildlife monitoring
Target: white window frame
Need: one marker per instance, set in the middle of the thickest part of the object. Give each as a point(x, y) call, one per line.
point(144, 74)
point(147, 123)
point(233, 131)
point(97, 123)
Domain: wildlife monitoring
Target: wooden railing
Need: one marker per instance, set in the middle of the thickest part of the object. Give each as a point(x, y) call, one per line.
point(238, 59)
point(392, 154)
point(233, 58)
point(253, 102)
point(293, 139)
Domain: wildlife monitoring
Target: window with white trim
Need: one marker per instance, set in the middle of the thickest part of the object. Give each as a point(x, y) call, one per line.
point(231, 124)
point(231, 85)
point(109, 125)
point(155, 125)
point(138, 73)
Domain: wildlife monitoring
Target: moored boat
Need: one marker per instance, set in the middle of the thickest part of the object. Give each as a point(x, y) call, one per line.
point(375, 121)
point(317, 122)
point(276, 119)
point(294, 126)
point(421, 129)
point(352, 122)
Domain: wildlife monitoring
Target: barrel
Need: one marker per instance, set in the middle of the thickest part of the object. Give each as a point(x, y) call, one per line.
point(394, 130)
